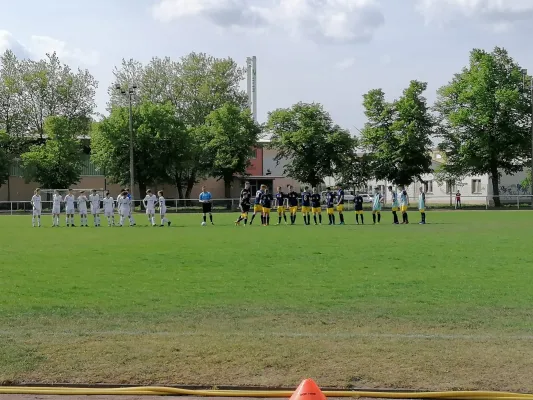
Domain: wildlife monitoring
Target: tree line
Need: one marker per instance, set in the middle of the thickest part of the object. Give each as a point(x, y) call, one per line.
point(191, 121)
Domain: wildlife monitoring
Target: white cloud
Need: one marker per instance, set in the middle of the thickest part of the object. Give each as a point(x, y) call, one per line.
point(497, 14)
point(40, 45)
point(345, 64)
point(338, 21)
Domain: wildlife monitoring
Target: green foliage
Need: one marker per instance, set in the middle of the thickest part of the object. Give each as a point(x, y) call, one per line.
point(195, 85)
point(229, 135)
point(484, 117)
point(56, 163)
point(154, 127)
point(357, 170)
point(306, 137)
point(398, 134)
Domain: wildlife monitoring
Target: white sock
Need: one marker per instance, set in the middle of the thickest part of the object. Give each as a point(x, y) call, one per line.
point(32, 221)
point(121, 220)
point(39, 221)
point(71, 220)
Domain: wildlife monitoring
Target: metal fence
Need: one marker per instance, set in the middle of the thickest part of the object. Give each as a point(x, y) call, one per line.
point(232, 205)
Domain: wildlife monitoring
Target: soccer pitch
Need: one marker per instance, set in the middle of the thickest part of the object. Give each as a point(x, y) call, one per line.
point(448, 305)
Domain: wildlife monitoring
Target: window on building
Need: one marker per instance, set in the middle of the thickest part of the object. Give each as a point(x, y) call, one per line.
point(451, 188)
point(476, 186)
point(254, 154)
point(428, 186)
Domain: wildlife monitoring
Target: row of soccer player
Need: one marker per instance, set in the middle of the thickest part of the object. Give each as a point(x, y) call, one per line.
point(123, 203)
point(311, 204)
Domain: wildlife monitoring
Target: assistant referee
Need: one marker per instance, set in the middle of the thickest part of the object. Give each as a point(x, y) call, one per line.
point(207, 206)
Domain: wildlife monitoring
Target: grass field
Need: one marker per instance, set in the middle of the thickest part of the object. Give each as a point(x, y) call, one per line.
point(447, 305)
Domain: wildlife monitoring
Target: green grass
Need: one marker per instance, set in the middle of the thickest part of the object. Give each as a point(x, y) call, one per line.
point(445, 305)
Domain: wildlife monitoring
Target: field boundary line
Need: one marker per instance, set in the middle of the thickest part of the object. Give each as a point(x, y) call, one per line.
point(347, 335)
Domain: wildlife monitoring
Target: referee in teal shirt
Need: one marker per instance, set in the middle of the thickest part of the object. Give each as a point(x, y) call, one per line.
point(207, 206)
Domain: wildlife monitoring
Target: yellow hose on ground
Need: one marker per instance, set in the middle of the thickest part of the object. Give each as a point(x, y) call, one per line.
point(159, 391)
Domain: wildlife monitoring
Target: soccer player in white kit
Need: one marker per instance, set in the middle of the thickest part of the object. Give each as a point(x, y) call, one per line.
point(56, 208)
point(82, 208)
point(94, 199)
point(69, 207)
point(124, 207)
point(163, 209)
point(132, 207)
point(37, 207)
point(149, 204)
point(109, 209)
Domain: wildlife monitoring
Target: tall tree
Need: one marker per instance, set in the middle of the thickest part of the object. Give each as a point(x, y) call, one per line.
point(229, 135)
point(307, 138)
point(484, 117)
point(57, 162)
point(398, 134)
point(196, 85)
point(154, 125)
point(356, 169)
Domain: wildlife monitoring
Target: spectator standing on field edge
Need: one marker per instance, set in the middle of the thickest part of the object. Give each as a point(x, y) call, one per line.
point(458, 200)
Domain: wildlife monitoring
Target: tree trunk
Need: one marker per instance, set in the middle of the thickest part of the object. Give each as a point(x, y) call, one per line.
point(191, 180)
point(494, 177)
point(142, 190)
point(227, 190)
point(179, 189)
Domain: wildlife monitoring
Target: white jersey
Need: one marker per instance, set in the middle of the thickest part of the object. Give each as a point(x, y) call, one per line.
point(162, 205)
point(36, 202)
point(82, 204)
point(95, 202)
point(124, 203)
point(69, 200)
point(109, 204)
point(56, 204)
point(150, 201)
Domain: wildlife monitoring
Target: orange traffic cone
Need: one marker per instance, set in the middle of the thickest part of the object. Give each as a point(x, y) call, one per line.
point(308, 390)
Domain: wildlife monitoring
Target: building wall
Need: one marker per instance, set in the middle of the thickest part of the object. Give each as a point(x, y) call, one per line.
point(270, 165)
point(256, 164)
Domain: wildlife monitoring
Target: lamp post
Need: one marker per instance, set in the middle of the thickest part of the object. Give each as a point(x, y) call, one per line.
point(524, 76)
point(129, 92)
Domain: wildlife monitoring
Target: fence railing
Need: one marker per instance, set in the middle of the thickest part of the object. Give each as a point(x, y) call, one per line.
point(231, 205)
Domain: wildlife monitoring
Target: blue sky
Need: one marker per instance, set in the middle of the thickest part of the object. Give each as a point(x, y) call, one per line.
point(329, 51)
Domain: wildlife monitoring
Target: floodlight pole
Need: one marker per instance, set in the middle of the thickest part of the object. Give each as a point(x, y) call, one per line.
point(129, 92)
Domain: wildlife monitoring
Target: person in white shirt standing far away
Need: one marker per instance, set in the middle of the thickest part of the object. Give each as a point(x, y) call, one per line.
point(37, 207)
point(149, 204)
point(69, 207)
point(94, 198)
point(82, 208)
point(163, 209)
point(124, 208)
point(56, 208)
point(109, 209)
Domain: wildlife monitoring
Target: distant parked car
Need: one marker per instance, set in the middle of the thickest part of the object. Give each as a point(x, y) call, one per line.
point(367, 198)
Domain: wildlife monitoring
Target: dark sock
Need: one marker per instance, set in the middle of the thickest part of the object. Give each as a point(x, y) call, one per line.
point(341, 217)
point(314, 217)
point(211, 217)
point(245, 221)
point(374, 218)
point(357, 218)
point(395, 216)
point(403, 217)
point(268, 219)
point(379, 217)
point(333, 218)
point(423, 217)
point(319, 218)
point(406, 218)
point(252, 220)
point(279, 220)
point(262, 219)
point(285, 217)
point(205, 218)
point(362, 219)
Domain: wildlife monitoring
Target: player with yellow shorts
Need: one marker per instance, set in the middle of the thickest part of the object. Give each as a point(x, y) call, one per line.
point(267, 200)
point(340, 204)
point(376, 206)
point(358, 200)
point(306, 205)
point(330, 208)
point(422, 206)
point(292, 199)
point(316, 208)
point(404, 202)
point(258, 207)
point(280, 204)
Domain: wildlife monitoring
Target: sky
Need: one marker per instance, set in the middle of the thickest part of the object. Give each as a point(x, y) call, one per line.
point(327, 51)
